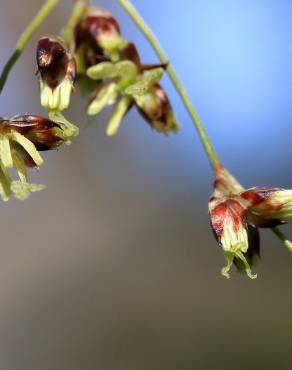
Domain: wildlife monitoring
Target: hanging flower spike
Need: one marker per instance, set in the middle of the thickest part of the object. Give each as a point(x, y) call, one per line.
point(236, 214)
point(129, 83)
point(21, 137)
point(57, 69)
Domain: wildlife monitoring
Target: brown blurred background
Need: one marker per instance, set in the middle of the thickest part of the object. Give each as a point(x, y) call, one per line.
point(114, 266)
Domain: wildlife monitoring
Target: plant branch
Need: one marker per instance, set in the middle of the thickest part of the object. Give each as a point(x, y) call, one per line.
point(144, 28)
point(25, 37)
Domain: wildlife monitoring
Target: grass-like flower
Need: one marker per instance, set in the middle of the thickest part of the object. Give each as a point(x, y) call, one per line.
point(236, 214)
point(57, 70)
point(21, 139)
point(129, 83)
point(96, 35)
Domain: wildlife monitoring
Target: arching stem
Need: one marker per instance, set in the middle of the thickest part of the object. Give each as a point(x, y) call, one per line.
point(141, 24)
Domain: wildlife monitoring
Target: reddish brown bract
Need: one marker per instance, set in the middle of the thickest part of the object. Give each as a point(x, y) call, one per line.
point(103, 23)
point(39, 130)
point(256, 196)
point(54, 62)
point(229, 213)
point(90, 36)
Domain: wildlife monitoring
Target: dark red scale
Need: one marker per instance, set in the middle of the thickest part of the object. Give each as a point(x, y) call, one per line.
point(98, 24)
point(53, 62)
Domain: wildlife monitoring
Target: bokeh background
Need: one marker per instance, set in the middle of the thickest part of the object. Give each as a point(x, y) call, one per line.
point(114, 266)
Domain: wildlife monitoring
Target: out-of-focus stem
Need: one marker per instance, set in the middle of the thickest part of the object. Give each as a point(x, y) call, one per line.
point(25, 37)
point(79, 9)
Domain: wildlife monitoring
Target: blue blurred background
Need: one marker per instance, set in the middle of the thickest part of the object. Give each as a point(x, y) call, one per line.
point(114, 266)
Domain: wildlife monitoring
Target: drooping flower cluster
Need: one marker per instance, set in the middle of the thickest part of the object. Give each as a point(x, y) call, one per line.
point(236, 214)
point(21, 139)
point(100, 54)
point(103, 56)
point(23, 136)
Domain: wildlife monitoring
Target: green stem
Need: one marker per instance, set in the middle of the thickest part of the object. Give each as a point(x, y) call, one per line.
point(144, 28)
point(282, 237)
point(78, 11)
point(24, 38)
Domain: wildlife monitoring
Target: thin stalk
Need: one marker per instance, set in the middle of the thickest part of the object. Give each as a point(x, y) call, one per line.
point(25, 37)
point(78, 11)
point(283, 238)
point(144, 28)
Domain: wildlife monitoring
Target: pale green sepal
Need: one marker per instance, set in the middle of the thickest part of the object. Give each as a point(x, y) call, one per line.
point(112, 45)
point(5, 183)
point(114, 55)
point(5, 152)
point(28, 146)
point(102, 71)
point(127, 69)
point(148, 79)
point(57, 98)
point(65, 95)
point(67, 131)
point(118, 114)
point(22, 190)
point(105, 97)
point(246, 265)
point(225, 270)
point(45, 95)
point(230, 257)
point(19, 166)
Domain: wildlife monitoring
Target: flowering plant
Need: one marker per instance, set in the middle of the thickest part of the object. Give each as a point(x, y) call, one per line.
point(91, 53)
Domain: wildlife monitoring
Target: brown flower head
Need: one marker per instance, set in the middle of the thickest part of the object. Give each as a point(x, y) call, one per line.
point(236, 214)
point(21, 139)
point(57, 69)
point(97, 37)
point(44, 133)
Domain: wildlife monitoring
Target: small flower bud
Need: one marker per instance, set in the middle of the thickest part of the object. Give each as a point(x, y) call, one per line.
point(105, 30)
point(57, 70)
point(87, 52)
point(269, 206)
point(155, 107)
point(97, 37)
